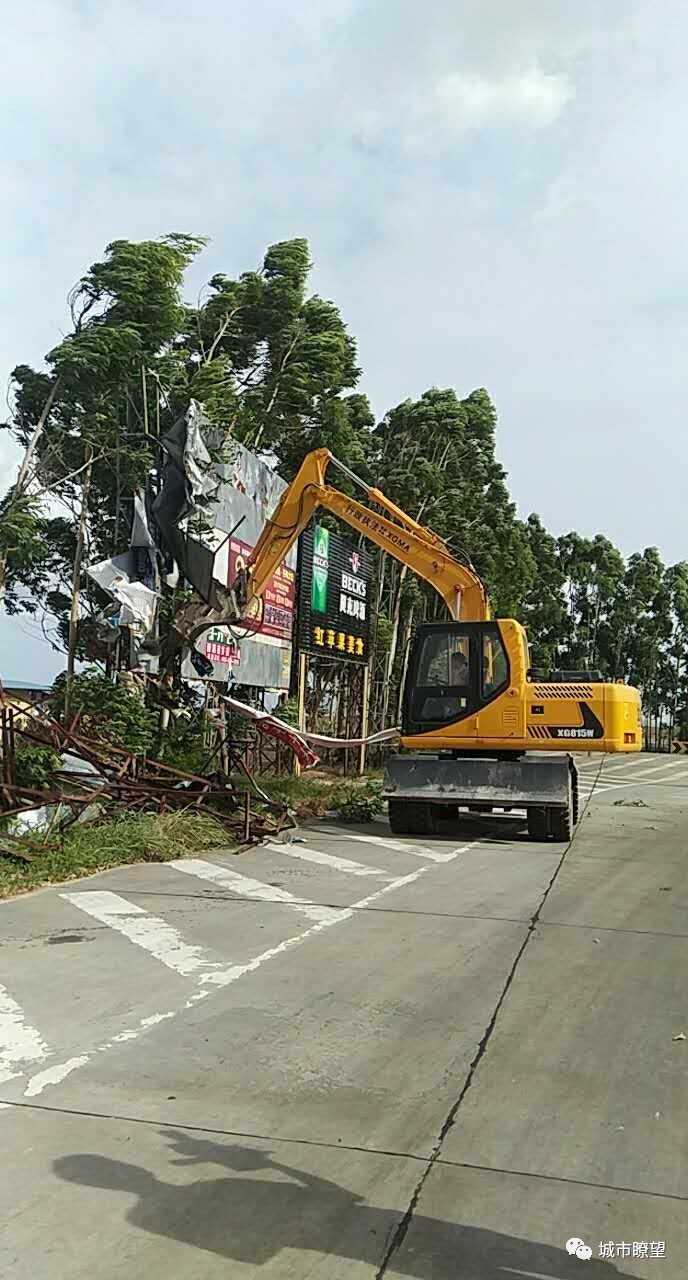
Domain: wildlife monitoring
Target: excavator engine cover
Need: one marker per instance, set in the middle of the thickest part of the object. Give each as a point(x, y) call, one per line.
point(421, 789)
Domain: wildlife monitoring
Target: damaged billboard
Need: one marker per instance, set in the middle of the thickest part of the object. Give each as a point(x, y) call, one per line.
point(248, 492)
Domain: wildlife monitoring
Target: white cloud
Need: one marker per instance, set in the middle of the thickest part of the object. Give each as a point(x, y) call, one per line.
point(494, 193)
point(531, 96)
point(441, 114)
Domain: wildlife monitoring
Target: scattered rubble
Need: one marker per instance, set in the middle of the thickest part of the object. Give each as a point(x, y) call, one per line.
point(97, 780)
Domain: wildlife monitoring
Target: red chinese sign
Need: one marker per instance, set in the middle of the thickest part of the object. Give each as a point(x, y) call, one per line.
point(278, 597)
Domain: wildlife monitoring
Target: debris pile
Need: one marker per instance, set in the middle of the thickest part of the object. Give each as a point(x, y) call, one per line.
point(96, 780)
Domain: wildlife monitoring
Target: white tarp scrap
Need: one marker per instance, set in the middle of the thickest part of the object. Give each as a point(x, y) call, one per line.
point(138, 603)
point(141, 535)
point(108, 572)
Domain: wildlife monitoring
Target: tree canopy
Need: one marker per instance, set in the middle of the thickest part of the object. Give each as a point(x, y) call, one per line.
point(276, 368)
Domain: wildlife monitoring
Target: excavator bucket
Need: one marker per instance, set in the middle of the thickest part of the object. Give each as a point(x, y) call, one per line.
point(423, 789)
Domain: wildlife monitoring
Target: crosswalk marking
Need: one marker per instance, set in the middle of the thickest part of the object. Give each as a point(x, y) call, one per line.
point(224, 977)
point(248, 888)
point(20, 1043)
point(326, 859)
point(146, 931)
point(618, 758)
point(659, 768)
point(207, 982)
point(386, 842)
point(630, 759)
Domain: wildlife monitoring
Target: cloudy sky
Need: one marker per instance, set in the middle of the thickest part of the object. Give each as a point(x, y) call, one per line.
point(494, 192)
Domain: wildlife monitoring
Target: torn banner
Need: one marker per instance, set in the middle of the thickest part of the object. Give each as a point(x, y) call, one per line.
point(299, 739)
point(274, 728)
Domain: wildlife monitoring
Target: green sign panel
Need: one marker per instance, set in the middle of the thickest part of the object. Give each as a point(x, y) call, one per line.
point(321, 569)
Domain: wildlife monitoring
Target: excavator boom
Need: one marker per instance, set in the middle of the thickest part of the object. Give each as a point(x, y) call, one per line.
point(396, 533)
point(502, 736)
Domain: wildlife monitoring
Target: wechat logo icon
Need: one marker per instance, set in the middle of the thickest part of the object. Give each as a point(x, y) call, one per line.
point(578, 1248)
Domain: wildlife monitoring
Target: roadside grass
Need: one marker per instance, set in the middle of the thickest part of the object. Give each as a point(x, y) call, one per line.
point(147, 837)
point(317, 792)
point(139, 837)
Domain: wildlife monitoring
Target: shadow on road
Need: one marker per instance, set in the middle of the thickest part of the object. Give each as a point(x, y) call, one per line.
point(251, 1219)
point(496, 828)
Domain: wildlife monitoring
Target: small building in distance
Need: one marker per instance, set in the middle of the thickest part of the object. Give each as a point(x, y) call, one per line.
point(22, 693)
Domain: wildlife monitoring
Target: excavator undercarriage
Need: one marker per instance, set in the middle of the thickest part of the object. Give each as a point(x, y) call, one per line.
point(423, 790)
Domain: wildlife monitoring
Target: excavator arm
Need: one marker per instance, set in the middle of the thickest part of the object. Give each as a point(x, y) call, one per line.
point(394, 532)
point(469, 694)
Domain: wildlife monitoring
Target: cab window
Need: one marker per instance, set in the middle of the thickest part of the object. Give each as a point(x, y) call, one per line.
point(443, 690)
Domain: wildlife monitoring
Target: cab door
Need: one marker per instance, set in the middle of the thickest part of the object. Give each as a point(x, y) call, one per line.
point(501, 708)
point(443, 685)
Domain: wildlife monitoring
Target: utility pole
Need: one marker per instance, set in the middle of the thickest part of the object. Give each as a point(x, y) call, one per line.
point(76, 580)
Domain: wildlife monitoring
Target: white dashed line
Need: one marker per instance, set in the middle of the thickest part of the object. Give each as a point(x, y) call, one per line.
point(245, 887)
point(326, 860)
point(386, 842)
point(152, 934)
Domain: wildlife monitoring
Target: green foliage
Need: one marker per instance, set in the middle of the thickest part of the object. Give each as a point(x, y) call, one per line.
point(183, 747)
point(35, 767)
point(107, 711)
point(318, 792)
point(20, 529)
point(360, 803)
point(22, 545)
point(289, 712)
point(277, 369)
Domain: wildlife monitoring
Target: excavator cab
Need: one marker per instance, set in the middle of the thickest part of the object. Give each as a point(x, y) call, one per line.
point(454, 671)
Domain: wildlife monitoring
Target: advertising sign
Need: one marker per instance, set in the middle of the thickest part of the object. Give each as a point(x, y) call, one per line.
point(334, 596)
point(278, 597)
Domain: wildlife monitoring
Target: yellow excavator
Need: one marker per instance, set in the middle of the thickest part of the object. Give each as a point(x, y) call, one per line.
point(480, 729)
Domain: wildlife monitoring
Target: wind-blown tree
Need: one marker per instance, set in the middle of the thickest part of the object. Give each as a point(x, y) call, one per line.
point(542, 606)
point(98, 436)
point(593, 570)
point(269, 363)
point(273, 363)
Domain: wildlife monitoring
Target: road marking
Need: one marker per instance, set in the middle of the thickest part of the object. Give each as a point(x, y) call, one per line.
point(385, 842)
point(660, 768)
point(53, 1075)
point(19, 1042)
point(248, 888)
point(623, 762)
point(44, 1079)
point(326, 859)
point(616, 784)
point(152, 934)
point(238, 970)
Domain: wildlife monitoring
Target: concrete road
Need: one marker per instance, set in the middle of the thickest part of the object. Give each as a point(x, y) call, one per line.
point(357, 1057)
